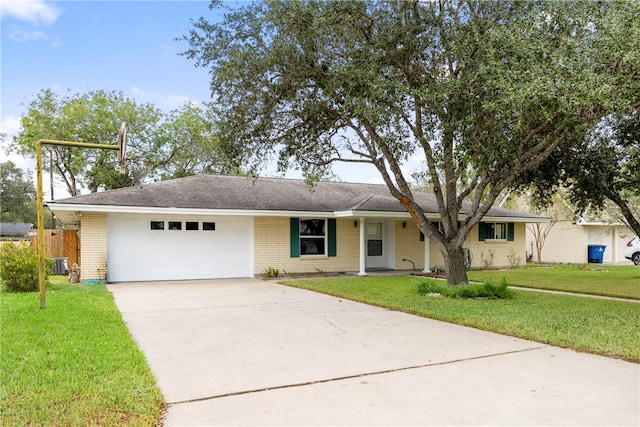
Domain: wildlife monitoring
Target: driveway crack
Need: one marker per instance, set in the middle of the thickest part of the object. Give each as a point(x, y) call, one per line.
point(347, 377)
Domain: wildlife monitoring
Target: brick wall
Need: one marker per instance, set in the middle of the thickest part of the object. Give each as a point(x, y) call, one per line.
point(93, 241)
point(272, 241)
point(504, 253)
point(271, 237)
point(409, 246)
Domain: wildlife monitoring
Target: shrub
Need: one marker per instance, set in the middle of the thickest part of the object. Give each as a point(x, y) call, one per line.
point(514, 258)
point(474, 290)
point(271, 273)
point(487, 260)
point(19, 267)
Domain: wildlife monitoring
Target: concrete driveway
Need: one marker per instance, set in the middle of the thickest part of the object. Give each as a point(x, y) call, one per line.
point(250, 352)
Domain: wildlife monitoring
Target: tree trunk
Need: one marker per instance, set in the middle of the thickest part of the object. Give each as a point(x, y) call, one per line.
point(454, 263)
point(539, 252)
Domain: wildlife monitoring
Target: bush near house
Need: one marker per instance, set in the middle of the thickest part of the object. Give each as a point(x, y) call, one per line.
point(472, 290)
point(19, 267)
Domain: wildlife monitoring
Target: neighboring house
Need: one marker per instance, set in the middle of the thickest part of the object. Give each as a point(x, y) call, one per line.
point(217, 226)
point(568, 241)
point(568, 238)
point(14, 231)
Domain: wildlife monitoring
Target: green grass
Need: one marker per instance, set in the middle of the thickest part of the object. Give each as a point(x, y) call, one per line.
point(73, 363)
point(613, 281)
point(604, 327)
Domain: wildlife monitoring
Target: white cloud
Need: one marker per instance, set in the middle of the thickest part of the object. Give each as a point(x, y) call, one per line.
point(10, 125)
point(34, 11)
point(20, 35)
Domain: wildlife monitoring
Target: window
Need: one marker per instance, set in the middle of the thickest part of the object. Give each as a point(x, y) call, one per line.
point(175, 225)
point(208, 226)
point(157, 225)
point(312, 236)
point(496, 231)
point(191, 226)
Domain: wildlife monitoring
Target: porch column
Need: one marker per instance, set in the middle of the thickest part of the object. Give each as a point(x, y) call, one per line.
point(363, 258)
point(426, 255)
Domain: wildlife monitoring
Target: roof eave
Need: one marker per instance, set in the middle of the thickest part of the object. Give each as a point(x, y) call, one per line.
point(70, 210)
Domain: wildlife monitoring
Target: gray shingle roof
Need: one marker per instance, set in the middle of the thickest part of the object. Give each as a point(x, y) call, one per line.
point(15, 228)
point(266, 194)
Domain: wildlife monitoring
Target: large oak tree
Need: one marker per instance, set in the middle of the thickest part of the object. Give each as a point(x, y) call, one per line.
point(602, 176)
point(485, 91)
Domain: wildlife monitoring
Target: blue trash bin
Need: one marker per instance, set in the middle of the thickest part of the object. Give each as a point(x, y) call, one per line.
point(596, 253)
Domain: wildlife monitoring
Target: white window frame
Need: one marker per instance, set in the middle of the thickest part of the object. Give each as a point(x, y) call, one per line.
point(325, 237)
point(493, 226)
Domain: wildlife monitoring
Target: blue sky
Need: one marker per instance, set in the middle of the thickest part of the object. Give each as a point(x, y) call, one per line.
point(81, 46)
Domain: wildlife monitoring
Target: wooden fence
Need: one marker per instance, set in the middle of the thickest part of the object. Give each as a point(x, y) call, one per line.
point(60, 244)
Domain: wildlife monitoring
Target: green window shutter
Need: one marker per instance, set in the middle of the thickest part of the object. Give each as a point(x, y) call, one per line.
point(332, 236)
point(421, 236)
point(510, 231)
point(481, 235)
point(295, 237)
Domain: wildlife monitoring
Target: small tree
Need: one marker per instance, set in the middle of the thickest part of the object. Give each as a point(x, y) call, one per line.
point(540, 233)
point(19, 267)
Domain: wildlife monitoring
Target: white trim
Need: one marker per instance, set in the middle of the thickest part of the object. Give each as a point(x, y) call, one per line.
point(583, 222)
point(363, 256)
point(324, 237)
point(184, 211)
point(64, 207)
point(426, 255)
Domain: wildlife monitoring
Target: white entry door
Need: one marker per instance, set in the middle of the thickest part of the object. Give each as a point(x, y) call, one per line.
point(376, 257)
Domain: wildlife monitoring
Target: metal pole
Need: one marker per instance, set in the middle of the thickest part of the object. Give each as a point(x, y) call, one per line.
point(40, 213)
point(40, 201)
point(53, 217)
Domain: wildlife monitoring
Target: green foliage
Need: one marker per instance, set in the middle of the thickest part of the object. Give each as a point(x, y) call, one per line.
point(604, 163)
point(19, 267)
point(159, 145)
point(472, 290)
point(18, 195)
point(614, 281)
point(271, 272)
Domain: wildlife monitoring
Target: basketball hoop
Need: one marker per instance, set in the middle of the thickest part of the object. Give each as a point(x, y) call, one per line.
point(122, 144)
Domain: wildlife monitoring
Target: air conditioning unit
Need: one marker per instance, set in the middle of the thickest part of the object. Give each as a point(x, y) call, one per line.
point(60, 266)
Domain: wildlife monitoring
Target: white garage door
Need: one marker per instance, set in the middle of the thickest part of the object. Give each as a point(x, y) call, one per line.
point(172, 247)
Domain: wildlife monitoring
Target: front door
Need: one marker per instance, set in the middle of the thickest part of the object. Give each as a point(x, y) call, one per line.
point(375, 244)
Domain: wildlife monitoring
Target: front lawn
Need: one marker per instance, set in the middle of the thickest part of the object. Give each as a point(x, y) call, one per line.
point(596, 279)
point(73, 363)
point(604, 327)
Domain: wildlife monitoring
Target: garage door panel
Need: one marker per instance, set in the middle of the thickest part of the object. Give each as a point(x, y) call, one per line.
point(136, 253)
